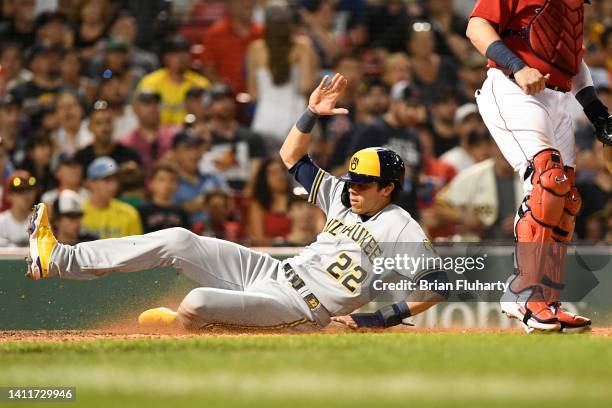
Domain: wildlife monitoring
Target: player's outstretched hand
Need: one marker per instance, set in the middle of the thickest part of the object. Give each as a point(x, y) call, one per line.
point(531, 81)
point(345, 320)
point(323, 99)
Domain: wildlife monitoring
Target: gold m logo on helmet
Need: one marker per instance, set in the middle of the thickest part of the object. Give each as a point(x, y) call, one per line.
point(354, 163)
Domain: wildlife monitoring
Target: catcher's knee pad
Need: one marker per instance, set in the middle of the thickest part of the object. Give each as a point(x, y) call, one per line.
point(547, 199)
point(564, 230)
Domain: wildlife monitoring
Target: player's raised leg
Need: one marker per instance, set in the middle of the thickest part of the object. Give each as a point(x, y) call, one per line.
point(207, 261)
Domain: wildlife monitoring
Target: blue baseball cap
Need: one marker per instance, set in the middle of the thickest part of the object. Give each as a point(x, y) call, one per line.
point(102, 167)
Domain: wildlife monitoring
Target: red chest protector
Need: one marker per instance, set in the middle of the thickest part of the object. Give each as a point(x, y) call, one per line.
point(554, 34)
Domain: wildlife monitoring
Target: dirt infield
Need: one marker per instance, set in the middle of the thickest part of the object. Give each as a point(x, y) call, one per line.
point(128, 333)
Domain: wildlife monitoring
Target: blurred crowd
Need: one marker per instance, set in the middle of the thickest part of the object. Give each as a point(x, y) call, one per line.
point(131, 116)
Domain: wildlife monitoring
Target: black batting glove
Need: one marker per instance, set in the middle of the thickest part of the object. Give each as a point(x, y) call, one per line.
point(387, 316)
point(603, 130)
point(598, 114)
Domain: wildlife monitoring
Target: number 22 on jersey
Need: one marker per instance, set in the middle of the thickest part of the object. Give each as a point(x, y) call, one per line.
point(350, 276)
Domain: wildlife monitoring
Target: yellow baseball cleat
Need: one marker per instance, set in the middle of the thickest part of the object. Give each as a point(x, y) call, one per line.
point(42, 242)
point(158, 317)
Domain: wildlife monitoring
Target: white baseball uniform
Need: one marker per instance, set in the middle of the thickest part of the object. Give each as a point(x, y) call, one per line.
point(523, 125)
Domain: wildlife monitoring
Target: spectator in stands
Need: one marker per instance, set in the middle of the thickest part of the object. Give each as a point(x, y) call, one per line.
point(45, 63)
point(195, 104)
point(6, 168)
point(435, 174)
point(449, 26)
point(12, 133)
point(226, 43)
point(431, 73)
point(304, 229)
point(281, 69)
point(396, 69)
point(480, 202)
point(68, 173)
point(597, 186)
point(235, 150)
point(72, 77)
point(125, 28)
point(150, 139)
point(114, 90)
point(91, 18)
point(66, 216)
point(174, 80)
point(39, 151)
point(160, 211)
point(318, 20)
point(72, 133)
point(11, 61)
point(473, 139)
point(19, 28)
point(443, 108)
point(373, 102)
point(103, 215)
point(220, 223)
point(472, 73)
point(52, 29)
point(101, 126)
point(387, 24)
point(336, 126)
point(22, 189)
point(268, 212)
point(188, 149)
point(116, 62)
point(131, 184)
point(396, 129)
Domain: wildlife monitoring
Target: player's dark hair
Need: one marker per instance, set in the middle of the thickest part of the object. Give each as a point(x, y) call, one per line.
point(278, 37)
point(261, 190)
point(394, 193)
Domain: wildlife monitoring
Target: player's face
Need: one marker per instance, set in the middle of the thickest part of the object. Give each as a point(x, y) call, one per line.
point(368, 198)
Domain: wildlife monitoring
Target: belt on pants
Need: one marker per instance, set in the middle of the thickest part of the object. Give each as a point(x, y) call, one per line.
point(510, 75)
point(298, 284)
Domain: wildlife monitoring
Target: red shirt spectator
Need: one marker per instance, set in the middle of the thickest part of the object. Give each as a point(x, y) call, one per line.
point(225, 45)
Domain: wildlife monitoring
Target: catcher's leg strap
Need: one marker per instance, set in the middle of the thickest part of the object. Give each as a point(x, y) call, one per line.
point(564, 230)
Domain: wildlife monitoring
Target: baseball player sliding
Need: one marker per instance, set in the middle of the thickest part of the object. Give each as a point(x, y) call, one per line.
point(240, 287)
point(535, 55)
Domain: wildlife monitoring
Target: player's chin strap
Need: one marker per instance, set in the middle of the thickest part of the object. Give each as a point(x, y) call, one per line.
point(387, 316)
